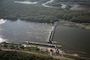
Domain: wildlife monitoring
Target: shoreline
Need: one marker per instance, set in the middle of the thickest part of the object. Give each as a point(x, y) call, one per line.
point(46, 51)
point(85, 26)
point(79, 25)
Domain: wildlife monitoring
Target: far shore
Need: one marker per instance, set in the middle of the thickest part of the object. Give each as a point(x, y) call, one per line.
point(80, 25)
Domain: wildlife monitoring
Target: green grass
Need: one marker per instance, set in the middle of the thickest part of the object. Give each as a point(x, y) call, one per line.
point(14, 55)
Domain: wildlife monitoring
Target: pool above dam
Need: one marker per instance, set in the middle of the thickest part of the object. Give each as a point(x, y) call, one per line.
point(21, 31)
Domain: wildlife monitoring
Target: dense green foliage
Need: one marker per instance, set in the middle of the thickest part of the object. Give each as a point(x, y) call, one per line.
point(19, 47)
point(32, 48)
point(38, 13)
point(69, 3)
point(13, 55)
point(74, 0)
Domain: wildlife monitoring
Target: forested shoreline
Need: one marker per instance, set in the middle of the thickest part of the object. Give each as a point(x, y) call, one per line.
point(37, 13)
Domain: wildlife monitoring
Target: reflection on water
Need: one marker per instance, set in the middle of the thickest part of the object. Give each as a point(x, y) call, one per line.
point(72, 38)
point(20, 31)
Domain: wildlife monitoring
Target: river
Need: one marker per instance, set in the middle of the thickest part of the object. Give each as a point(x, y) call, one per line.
point(45, 4)
point(25, 2)
point(29, 2)
point(21, 31)
point(73, 39)
point(63, 5)
point(69, 36)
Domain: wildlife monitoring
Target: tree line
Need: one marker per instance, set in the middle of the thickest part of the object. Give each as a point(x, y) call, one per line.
point(14, 55)
point(37, 13)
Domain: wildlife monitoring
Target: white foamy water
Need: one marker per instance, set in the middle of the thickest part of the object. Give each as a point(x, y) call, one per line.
point(2, 40)
point(25, 2)
point(45, 4)
point(2, 21)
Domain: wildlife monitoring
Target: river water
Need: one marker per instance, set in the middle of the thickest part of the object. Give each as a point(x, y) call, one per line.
point(69, 36)
point(21, 31)
point(45, 4)
point(73, 39)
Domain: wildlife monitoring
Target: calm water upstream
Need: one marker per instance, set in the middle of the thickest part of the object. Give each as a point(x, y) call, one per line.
point(73, 39)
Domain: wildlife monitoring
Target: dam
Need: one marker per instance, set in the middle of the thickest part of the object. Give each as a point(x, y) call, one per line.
point(51, 35)
point(50, 41)
point(29, 43)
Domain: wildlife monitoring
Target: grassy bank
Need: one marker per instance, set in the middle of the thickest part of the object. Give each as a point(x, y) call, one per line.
point(85, 26)
point(14, 55)
point(79, 25)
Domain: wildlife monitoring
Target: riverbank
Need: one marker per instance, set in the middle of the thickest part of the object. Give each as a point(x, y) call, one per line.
point(23, 55)
point(38, 13)
point(79, 25)
point(42, 50)
point(84, 25)
point(34, 49)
